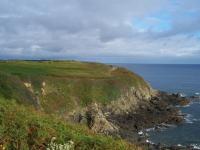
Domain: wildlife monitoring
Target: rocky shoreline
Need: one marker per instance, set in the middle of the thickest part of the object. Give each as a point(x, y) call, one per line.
point(176, 118)
point(161, 111)
point(157, 112)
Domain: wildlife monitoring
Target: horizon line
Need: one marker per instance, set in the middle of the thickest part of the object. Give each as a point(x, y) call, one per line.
point(136, 63)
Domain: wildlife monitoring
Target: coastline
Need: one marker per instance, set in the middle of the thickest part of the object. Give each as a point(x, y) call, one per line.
point(160, 111)
point(173, 79)
point(133, 107)
point(159, 128)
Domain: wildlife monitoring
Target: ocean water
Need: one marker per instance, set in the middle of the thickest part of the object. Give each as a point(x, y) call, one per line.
point(175, 78)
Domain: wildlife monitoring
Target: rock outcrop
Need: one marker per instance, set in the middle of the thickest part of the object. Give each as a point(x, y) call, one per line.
point(130, 100)
point(35, 97)
point(133, 111)
point(95, 119)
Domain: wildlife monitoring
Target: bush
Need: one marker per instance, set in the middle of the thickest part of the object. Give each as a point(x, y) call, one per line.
point(24, 128)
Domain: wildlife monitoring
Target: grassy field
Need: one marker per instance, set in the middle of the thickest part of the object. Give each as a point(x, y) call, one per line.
point(62, 86)
point(55, 68)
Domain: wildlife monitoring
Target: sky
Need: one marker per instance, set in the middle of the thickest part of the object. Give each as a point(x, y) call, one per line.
point(122, 31)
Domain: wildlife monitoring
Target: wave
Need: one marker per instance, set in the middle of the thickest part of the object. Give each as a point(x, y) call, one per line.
point(187, 105)
point(149, 129)
point(160, 127)
point(183, 95)
point(195, 146)
point(190, 119)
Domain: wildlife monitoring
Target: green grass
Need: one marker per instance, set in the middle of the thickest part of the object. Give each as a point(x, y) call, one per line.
point(55, 68)
point(22, 128)
point(12, 87)
point(69, 84)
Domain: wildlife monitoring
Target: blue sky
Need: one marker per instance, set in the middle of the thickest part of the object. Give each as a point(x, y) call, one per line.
point(145, 31)
point(157, 22)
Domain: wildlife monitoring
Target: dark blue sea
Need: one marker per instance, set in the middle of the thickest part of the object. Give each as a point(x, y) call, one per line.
point(175, 78)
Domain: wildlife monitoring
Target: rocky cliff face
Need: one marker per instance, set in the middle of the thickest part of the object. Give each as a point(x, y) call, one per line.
point(96, 116)
point(130, 100)
point(133, 111)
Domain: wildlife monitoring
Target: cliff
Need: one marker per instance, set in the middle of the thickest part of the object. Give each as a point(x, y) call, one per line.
point(63, 86)
point(106, 99)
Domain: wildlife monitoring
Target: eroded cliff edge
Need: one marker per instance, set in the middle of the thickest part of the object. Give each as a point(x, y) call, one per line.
point(132, 112)
point(108, 99)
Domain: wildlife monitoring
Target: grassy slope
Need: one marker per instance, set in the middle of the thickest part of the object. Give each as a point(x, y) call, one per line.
point(22, 128)
point(69, 84)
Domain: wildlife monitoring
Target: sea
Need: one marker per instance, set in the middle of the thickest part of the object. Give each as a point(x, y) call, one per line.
point(175, 78)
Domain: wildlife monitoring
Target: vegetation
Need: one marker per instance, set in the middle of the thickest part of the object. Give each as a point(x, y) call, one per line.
point(24, 128)
point(62, 86)
point(56, 88)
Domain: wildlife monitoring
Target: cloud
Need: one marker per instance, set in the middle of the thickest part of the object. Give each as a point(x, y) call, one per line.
point(101, 28)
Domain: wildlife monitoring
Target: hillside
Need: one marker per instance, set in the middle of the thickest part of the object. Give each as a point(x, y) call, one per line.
point(23, 128)
point(78, 101)
point(62, 86)
point(36, 96)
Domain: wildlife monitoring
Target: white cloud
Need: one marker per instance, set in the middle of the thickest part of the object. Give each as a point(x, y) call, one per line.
point(64, 28)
